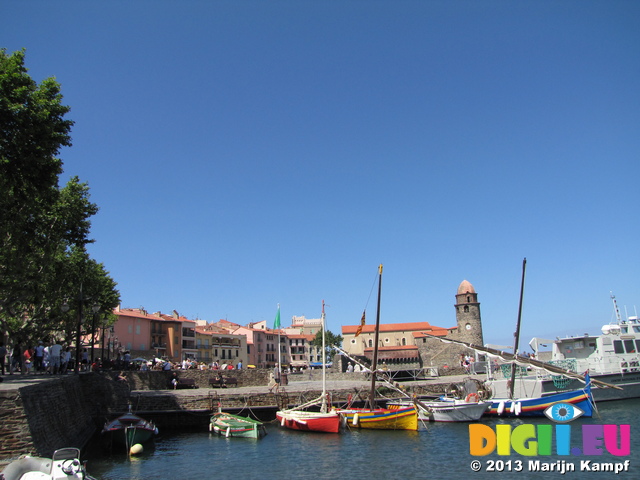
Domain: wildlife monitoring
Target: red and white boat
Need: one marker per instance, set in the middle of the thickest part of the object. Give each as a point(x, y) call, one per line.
point(326, 420)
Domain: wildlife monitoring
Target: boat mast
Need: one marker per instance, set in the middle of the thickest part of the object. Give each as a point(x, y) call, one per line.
point(374, 366)
point(323, 408)
point(517, 332)
point(279, 348)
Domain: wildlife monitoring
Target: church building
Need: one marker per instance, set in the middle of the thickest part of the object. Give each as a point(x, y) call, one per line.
point(405, 345)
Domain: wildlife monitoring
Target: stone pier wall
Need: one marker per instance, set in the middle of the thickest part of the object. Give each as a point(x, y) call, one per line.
point(67, 411)
point(39, 418)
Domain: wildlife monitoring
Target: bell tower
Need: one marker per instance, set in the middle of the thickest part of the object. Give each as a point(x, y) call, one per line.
point(468, 314)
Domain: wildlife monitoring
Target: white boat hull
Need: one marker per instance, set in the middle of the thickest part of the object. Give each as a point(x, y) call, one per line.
point(449, 410)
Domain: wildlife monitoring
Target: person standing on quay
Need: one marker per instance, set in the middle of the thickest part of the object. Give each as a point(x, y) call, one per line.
point(64, 361)
point(16, 359)
point(38, 359)
point(55, 350)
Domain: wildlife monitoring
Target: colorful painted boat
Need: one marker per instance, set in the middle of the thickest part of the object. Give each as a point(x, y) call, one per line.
point(535, 407)
point(230, 425)
point(401, 418)
point(327, 422)
point(129, 429)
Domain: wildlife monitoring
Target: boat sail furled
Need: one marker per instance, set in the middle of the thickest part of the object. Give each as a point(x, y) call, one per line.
point(326, 420)
point(399, 418)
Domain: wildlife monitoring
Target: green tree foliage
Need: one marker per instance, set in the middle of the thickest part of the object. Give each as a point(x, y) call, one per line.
point(330, 340)
point(44, 229)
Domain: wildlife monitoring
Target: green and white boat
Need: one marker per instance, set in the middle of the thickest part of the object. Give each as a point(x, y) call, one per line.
point(231, 425)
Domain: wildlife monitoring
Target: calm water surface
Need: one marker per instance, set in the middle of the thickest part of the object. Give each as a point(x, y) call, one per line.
point(439, 451)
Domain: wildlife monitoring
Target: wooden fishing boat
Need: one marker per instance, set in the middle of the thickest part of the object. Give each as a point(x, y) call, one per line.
point(400, 418)
point(445, 410)
point(536, 406)
point(129, 429)
point(327, 420)
point(65, 464)
point(230, 425)
point(304, 420)
point(374, 417)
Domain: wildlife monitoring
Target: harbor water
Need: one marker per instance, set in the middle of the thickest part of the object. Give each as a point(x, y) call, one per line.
point(437, 451)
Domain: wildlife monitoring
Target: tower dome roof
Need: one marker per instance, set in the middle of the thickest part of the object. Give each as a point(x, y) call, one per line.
point(465, 287)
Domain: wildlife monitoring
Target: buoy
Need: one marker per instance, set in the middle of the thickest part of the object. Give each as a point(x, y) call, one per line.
point(472, 397)
point(228, 434)
point(518, 408)
point(282, 422)
point(136, 449)
point(356, 419)
point(500, 408)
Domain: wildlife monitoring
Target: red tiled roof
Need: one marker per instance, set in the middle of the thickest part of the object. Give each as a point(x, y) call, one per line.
point(134, 312)
point(138, 313)
point(392, 327)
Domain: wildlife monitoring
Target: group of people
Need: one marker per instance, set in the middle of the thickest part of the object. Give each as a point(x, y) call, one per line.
point(466, 361)
point(43, 358)
point(357, 368)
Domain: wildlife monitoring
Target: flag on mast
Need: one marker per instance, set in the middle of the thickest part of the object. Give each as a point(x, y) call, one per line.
point(361, 326)
point(276, 323)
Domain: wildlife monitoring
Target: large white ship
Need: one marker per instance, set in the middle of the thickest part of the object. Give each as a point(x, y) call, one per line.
point(611, 357)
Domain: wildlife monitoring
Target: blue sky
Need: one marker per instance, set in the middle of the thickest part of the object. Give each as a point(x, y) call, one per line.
point(245, 154)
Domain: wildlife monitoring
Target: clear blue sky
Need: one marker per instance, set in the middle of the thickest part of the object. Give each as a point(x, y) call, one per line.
point(245, 154)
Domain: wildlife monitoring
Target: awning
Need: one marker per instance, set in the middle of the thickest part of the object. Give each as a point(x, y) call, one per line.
point(394, 354)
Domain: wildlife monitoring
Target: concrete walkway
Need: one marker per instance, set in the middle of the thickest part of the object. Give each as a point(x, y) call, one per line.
point(16, 381)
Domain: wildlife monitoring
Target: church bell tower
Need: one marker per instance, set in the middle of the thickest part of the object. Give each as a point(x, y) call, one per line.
point(468, 314)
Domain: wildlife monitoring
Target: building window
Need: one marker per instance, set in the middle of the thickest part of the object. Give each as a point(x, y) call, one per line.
point(404, 341)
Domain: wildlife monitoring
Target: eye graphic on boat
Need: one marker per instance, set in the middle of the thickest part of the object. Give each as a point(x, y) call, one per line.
point(563, 412)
